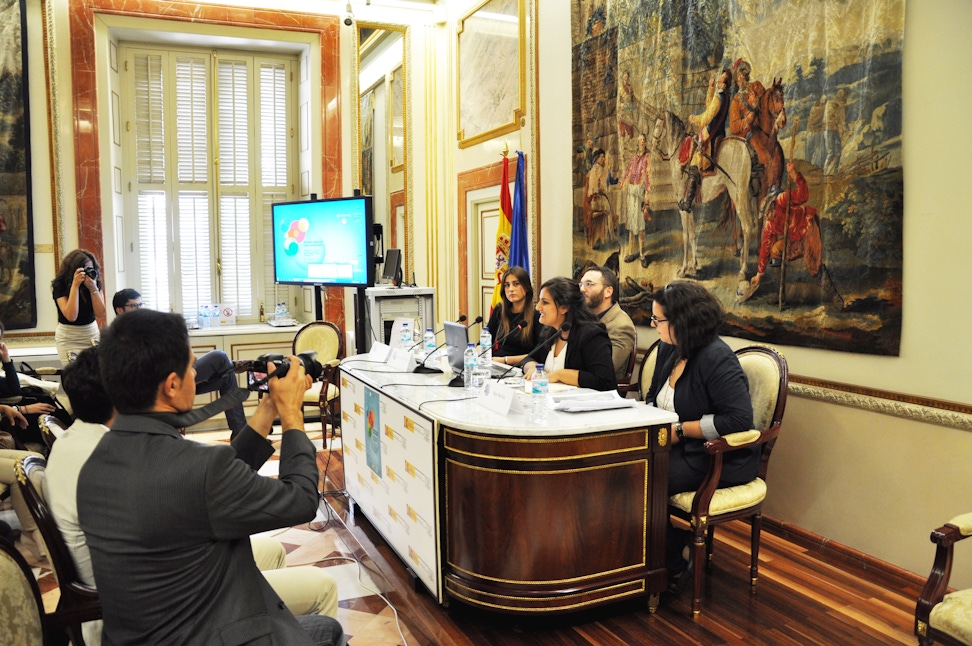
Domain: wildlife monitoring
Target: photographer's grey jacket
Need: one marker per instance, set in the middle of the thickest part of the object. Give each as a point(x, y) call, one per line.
point(168, 522)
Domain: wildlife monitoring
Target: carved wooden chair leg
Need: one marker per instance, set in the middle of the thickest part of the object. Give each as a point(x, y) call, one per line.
point(709, 536)
point(757, 521)
point(698, 553)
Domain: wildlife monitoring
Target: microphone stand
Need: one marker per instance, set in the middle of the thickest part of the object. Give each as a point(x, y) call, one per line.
point(423, 369)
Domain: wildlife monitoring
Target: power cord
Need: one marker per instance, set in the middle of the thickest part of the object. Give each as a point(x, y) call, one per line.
point(327, 492)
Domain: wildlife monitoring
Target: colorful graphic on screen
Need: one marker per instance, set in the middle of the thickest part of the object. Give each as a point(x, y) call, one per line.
point(325, 242)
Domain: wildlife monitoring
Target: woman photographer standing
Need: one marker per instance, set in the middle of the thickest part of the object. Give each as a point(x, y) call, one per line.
point(80, 303)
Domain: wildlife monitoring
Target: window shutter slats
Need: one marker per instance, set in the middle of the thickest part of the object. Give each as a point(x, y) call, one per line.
point(234, 140)
point(273, 124)
point(153, 249)
point(192, 138)
point(149, 127)
point(195, 258)
point(235, 252)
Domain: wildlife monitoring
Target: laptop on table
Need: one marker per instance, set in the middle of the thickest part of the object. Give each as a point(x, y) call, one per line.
point(457, 338)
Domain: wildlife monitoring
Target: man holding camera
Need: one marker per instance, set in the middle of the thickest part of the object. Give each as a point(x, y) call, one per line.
point(214, 370)
point(168, 521)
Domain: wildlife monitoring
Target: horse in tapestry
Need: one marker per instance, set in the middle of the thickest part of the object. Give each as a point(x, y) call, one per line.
point(733, 170)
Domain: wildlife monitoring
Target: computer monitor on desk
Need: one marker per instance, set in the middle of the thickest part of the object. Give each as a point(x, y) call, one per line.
point(457, 338)
point(391, 271)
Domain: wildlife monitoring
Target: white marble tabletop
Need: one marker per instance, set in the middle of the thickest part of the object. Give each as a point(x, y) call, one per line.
point(457, 408)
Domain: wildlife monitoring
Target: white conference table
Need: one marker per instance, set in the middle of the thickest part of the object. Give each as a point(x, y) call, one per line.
point(502, 512)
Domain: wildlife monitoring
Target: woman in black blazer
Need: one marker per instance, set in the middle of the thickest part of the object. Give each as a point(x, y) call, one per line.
point(516, 308)
point(698, 377)
point(581, 341)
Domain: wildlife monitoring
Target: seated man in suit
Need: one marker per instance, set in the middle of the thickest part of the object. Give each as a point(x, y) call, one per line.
point(168, 520)
point(306, 590)
point(214, 370)
point(601, 290)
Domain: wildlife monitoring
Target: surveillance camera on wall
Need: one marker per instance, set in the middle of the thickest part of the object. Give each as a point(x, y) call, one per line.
point(348, 19)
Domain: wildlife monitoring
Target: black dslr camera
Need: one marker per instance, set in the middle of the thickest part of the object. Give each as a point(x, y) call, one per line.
point(91, 272)
point(258, 374)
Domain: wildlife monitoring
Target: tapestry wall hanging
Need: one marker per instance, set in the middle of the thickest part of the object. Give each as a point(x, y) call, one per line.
point(752, 146)
point(18, 299)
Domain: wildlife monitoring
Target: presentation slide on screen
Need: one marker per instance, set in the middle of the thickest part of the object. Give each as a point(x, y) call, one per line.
point(321, 242)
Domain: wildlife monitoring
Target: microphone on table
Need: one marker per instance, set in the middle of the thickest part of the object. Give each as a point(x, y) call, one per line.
point(519, 326)
point(423, 369)
point(477, 321)
point(564, 327)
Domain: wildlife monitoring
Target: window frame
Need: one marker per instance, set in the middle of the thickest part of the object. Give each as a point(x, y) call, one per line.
point(262, 286)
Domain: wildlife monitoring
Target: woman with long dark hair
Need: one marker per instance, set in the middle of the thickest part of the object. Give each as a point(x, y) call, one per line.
point(581, 353)
point(516, 308)
point(80, 303)
point(698, 377)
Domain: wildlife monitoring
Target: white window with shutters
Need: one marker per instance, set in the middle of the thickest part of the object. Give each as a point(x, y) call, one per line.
point(211, 136)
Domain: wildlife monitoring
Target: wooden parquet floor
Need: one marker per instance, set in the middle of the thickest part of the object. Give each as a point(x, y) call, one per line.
point(803, 597)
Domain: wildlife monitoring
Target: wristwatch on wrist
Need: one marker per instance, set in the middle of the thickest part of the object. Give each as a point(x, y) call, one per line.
point(679, 431)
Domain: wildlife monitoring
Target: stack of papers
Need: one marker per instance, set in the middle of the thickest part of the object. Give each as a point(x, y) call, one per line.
point(585, 399)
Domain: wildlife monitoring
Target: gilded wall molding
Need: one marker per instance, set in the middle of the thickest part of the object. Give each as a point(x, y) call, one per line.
point(53, 128)
point(918, 409)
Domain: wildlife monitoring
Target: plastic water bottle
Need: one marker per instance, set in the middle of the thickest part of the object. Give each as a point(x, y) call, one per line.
point(214, 316)
point(406, 338)
point(485, 347)
point(428, 341)
point(469, 363)
point(540, 387)
point(204, 319)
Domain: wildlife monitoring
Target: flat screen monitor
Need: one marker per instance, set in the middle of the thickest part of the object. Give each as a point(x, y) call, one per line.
point(324, 242)
point(391, 271)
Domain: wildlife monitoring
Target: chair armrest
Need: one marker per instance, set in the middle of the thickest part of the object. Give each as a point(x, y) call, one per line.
point(741, 440)
point(935, 588)
point(963, 523)
point(716, 448)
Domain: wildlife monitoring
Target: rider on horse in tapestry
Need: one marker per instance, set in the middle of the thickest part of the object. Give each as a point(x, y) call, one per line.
point(712, 130)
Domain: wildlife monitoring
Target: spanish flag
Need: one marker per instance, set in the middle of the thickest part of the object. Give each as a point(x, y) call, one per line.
point(503, 230)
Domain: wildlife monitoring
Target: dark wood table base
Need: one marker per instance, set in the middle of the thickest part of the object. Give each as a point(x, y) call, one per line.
point(554, 524)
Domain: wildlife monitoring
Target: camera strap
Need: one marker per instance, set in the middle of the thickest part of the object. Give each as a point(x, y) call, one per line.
point(189, 418)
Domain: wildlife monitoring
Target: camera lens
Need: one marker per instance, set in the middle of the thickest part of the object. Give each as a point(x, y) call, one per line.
point(311, 365)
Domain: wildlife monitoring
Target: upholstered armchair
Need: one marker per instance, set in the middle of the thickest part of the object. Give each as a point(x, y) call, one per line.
point(629, 384)
point(647, 370)
point(20, 600)
point(325, 338)
point(78, 602)
point(768, 377)
point(941, 617)
point(51, 429)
